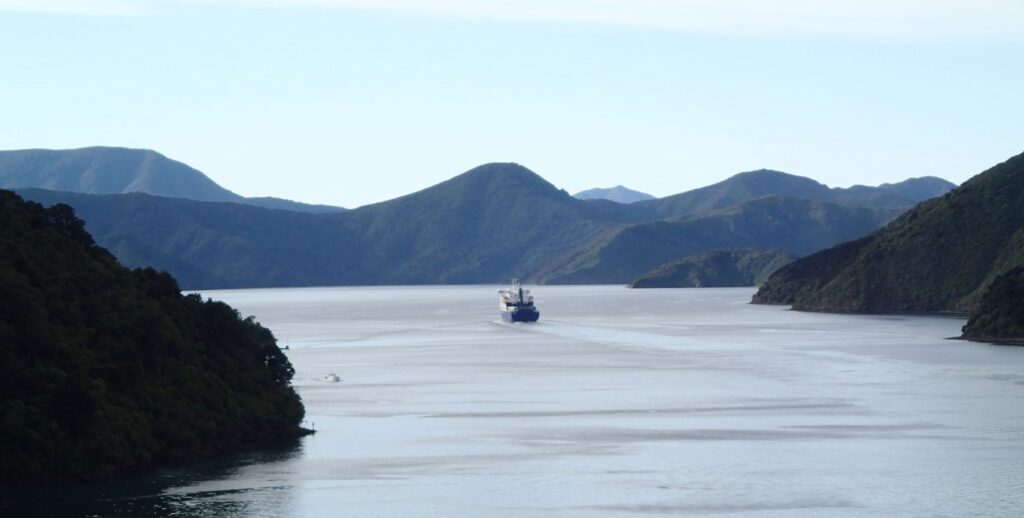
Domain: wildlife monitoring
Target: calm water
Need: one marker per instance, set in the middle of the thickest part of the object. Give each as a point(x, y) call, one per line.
point(618, 403)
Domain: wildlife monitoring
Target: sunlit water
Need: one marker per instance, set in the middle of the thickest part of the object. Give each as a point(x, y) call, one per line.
point(617, 403)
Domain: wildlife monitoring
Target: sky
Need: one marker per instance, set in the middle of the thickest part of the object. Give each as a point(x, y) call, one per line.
point(350, 102)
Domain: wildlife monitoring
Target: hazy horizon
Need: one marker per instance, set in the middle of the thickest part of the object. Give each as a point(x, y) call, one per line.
point(347, 103)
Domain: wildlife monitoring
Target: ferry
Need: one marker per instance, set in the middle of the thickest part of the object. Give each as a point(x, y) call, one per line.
point(516, 304)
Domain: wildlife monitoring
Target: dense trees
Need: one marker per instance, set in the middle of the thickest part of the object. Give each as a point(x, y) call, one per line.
point(1000, 314)
point(940, 255)
point(108, 371)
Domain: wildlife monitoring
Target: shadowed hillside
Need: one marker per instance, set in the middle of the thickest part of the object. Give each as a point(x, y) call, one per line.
point(108, 371)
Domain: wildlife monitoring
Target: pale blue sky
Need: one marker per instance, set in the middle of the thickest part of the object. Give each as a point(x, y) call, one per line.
point(351, 102)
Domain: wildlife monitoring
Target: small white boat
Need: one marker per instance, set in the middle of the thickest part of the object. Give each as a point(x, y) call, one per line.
point(332, 378)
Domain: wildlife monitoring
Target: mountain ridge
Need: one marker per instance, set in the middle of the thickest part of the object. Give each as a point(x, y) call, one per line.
point(795, 225)
point(488, 224)
point(118, 170)
point(618, 194)
point(751, 185)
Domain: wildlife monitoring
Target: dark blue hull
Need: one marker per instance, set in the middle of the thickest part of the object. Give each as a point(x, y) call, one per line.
point(521, 315)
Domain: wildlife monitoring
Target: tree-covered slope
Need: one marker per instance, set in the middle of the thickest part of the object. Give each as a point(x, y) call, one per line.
point(108, 371)
point(938, 256)
point(494, 222)
point(999, 316)
point(719, 268)
point(796, 226)
point(222, 245)
point(491, 223)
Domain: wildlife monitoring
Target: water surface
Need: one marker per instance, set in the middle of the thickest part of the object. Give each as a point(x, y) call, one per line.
point(617, 403)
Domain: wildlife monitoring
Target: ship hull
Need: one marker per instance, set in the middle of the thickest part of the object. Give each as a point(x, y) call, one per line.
point(520, 316)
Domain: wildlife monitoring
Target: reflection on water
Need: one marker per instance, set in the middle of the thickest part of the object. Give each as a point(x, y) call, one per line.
point(618, 403)
point(194, 490)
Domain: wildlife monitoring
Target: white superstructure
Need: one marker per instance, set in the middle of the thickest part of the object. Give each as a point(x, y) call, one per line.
point(511, 298)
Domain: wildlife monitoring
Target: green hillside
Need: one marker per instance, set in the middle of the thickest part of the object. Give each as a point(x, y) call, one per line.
point(716, 269)
point(939, 256)
point(109, 371)
point(999, 316)
point(794, 225)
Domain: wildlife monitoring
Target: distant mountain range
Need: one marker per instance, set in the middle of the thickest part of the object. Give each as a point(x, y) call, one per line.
point(765, 182)
point(618, 194)
point(489, 224)
point(111, 170)
point(942, 255)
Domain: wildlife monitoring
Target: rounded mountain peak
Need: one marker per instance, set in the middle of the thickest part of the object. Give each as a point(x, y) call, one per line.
point(501, 176)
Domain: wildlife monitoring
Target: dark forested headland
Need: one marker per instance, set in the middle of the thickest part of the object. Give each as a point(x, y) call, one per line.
point(109, 371)
point(999, 317)
point(961, 252)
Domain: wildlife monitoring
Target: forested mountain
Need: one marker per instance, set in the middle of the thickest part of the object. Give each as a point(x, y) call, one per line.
point(618, 194)
point(112, 170)
point(751, 185)
point(108, 371)
point(939, 256)
point(494, 222)
point(719, 268)
point(489, 224)
point(796, 226)
point(218, 245)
